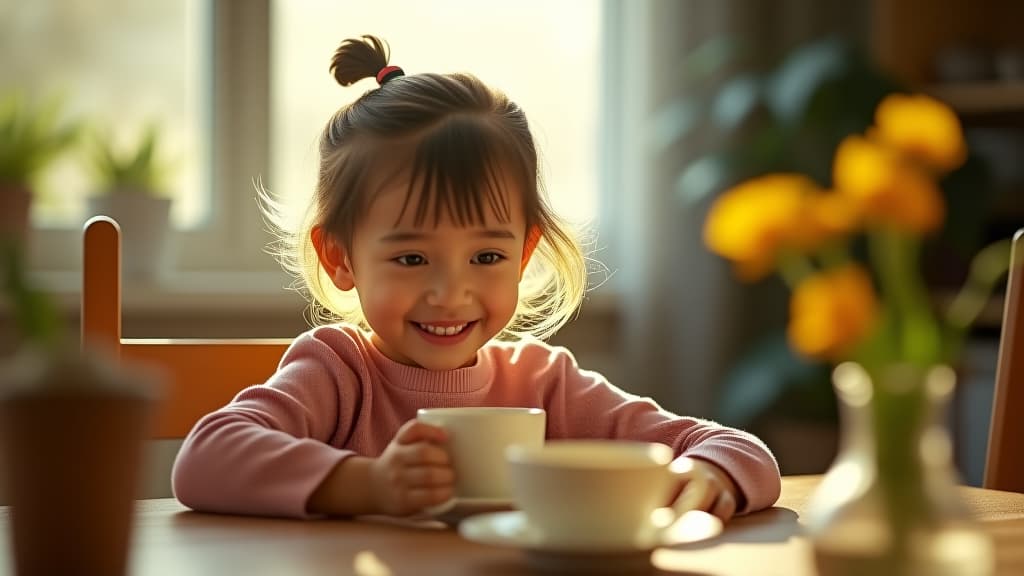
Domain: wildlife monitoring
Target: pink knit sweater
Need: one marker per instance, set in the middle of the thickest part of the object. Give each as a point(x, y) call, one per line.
point(335, 395)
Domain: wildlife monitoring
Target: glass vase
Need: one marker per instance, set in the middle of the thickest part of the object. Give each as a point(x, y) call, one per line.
point(889, 504)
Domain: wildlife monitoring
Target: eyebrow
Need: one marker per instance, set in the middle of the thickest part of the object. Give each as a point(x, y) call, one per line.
point(396, 237)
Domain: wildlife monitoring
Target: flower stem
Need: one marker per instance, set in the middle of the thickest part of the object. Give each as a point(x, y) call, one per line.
point(895, 256)
point(794, 267)
point(987, 267)
point(834, 254)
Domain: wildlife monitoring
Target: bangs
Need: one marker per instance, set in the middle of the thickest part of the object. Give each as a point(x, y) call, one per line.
point(462, 168)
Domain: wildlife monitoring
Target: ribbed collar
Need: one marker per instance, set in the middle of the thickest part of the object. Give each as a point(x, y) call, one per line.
point(414, 378)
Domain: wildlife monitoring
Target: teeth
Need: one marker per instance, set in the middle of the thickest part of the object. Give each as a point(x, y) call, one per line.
point(443, 330)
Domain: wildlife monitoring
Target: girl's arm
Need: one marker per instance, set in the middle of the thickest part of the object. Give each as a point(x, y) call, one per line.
point(270, 448)
point(583, 404)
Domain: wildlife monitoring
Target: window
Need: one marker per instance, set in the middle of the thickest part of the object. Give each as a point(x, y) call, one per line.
point(243, 89)
point(116, 66)
point(545, 55)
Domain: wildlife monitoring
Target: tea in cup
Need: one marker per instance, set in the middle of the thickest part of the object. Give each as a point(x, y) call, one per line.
point(477, 440)
point(594, 492)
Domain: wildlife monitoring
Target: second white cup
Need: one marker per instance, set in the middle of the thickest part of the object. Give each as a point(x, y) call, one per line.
point(594, 492)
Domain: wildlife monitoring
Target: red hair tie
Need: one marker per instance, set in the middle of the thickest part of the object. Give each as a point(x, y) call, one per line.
point(387, 73)
point(532, 239)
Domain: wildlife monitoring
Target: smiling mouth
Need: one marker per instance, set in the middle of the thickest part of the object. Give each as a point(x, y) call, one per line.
point(452, 330)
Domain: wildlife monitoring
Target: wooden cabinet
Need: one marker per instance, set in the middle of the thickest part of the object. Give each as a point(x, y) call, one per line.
point(970, 54)
point(915, 39)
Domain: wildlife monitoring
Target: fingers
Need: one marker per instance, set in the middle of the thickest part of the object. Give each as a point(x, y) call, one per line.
point(708, 497)
point(428, 476)
point(704, 489)
point(414, 471)
point(415, 431)
point(406, 488)
point(725, 506)
point(416, 499)
point(419, 487)
point(421, 454)
point(697, 494)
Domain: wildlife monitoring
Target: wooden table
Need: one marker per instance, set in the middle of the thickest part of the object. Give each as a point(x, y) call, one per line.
point(169, 539)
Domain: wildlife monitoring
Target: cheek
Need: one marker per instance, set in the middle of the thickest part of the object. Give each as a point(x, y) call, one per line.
point(385, 292)
point(505, 292)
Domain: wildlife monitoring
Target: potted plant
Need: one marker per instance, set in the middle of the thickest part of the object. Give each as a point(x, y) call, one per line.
point(789, 116)
point(131, 188)
point(89, 415)
point(32, 136)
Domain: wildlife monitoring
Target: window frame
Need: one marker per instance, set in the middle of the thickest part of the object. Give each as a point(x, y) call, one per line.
point(226, 252)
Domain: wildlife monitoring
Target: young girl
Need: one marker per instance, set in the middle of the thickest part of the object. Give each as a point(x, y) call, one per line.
point(428, 208)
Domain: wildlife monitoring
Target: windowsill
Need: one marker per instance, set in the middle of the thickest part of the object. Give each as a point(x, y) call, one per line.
point(229, 292)
point(192, 291)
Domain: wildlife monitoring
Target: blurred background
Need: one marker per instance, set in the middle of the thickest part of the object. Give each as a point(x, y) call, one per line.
point(643, 111)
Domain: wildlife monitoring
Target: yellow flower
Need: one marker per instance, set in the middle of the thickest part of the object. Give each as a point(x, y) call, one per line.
point(888, 189)
point(831, 312)
point(922, 128)
point(752, 222)
point(833, 215)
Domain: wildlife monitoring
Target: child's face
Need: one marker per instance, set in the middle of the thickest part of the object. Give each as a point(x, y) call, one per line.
point(433, 296)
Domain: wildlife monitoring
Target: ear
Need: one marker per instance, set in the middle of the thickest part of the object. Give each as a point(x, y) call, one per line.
point(333, 258)
point(532, 239)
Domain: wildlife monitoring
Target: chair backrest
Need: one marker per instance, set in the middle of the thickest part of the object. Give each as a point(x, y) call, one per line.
point(1004, 466)
point(201, 374)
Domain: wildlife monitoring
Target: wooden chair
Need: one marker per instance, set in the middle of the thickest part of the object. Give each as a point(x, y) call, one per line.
point(201, 374)
point(1004, 466)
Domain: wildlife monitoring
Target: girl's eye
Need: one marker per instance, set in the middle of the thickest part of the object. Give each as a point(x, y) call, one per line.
point(411, 260)
point(488, 258)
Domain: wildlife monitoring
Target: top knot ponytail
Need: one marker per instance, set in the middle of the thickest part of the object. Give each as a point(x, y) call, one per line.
point(358, 58)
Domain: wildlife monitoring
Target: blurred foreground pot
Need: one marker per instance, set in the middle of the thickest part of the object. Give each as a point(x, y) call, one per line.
point(72, 429)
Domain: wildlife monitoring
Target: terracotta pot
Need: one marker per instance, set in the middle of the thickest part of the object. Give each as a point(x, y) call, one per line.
point(72, 429)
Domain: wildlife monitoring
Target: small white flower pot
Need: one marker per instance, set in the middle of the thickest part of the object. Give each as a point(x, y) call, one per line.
point(145, 231)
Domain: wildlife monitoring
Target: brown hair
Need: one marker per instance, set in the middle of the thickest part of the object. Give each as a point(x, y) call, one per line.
point(456, 135)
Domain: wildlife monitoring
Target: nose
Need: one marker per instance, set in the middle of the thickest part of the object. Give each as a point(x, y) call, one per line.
point(450, 287)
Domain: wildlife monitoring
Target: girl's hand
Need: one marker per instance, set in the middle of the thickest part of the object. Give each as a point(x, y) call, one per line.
point(705, 486)
point(413, 472)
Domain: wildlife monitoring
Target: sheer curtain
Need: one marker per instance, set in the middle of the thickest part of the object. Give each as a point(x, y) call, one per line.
point(685, 319)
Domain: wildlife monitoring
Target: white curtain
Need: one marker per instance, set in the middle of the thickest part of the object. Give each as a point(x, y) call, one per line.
point(685, 319)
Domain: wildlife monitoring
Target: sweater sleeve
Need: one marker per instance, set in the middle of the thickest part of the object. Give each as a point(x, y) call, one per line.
point(268, 450)
point(583, 404)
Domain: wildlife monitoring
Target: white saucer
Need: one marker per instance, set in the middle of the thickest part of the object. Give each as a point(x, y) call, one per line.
point(633, 557)
point(456, 510)
point(512, 529)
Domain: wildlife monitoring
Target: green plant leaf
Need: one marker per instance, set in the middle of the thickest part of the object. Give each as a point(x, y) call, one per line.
point(139, 169)
point(765, 375)
point(34, 314)
point(704, 176)
point(736, 102)
point(711, 57)
point(793, 85)
point(674, 122)
point(31, 136)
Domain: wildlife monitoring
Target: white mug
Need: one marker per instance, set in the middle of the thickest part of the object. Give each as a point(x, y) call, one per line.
point(596, 492)
point(477, 440)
